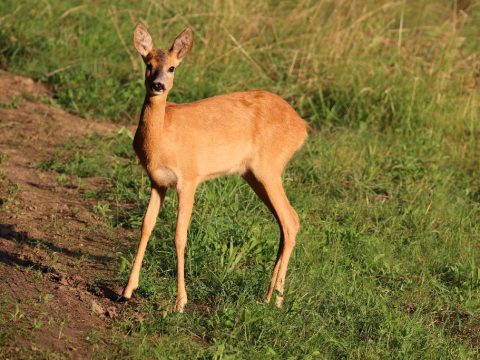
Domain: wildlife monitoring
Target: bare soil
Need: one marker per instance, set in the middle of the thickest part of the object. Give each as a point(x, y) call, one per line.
point(56, 299)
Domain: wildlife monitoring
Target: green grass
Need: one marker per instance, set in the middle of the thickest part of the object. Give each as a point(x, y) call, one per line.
point(387, 187)
point(379, 233)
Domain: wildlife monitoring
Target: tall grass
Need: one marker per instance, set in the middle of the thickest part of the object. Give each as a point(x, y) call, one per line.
point(387, 187)
point(384, 63)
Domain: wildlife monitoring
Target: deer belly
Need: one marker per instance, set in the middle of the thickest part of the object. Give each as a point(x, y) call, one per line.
point(218, 161)
point(163, 177)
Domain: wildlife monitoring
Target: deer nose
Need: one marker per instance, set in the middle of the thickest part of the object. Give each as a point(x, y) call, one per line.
point(158, 86)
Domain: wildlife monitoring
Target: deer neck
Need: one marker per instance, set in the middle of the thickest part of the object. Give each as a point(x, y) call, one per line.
point(149, 132)
point(153, 113)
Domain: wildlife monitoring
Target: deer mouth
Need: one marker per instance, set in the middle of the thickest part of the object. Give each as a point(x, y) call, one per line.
point(154, 93)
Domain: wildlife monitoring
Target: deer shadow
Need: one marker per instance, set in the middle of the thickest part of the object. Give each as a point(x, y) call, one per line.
point(17, 259)
point(7, 231)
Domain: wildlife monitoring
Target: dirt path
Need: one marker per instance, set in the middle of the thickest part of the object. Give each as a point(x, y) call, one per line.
point(54, 254)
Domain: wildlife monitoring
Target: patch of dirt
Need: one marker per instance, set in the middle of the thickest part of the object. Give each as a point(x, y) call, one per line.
point(56, 257)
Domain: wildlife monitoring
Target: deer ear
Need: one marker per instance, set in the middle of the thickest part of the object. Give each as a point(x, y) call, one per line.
point(182, 44)
point(142, 40)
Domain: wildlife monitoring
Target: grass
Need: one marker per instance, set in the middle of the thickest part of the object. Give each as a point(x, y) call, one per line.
point(384, 265)
point(387, 187)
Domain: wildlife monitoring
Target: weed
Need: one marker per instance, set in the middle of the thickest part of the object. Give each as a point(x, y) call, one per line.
point(3, 158)
point(13, 104)
point(62, 179)
point(37, 324)
point(93, 337)
point(17, 314)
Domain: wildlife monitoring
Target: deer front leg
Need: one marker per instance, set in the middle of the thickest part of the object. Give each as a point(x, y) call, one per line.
point(157, 196)
point(186, 195)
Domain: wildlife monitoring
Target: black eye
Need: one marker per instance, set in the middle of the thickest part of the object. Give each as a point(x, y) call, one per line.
point(149, 67)
point(171, 69)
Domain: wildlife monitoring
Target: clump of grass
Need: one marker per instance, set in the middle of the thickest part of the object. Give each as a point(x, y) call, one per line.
point(94, 155)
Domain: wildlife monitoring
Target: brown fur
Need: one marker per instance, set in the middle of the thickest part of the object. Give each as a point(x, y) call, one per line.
point(253, 134)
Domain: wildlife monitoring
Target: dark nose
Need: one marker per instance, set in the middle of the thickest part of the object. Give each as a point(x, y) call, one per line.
point(158, 86)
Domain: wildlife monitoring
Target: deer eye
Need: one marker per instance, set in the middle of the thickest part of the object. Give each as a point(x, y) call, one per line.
point(149, 67)
point(171, 69)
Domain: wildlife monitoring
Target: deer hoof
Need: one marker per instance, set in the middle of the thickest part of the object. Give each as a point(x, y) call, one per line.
point(179, 306)
point(127, 292)
point(279, 301)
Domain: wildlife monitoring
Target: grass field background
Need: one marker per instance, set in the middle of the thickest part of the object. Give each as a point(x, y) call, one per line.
point(387, 263)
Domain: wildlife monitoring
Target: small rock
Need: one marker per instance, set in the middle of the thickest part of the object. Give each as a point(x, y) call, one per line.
point(63, 280)
point(60, 279)
point(97, 308)
point(409, 307)
point(140, 315)
point(111, 312)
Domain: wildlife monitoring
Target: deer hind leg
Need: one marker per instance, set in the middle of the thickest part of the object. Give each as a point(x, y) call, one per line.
point(186, 195)
point(157, 196)
point(259, 189)
point(292, 230)
point(270, 190)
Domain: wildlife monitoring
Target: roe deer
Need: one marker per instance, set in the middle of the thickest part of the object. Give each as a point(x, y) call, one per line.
point(253, 133)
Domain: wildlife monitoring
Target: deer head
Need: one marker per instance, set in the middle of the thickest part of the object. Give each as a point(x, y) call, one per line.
point(161, 64)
